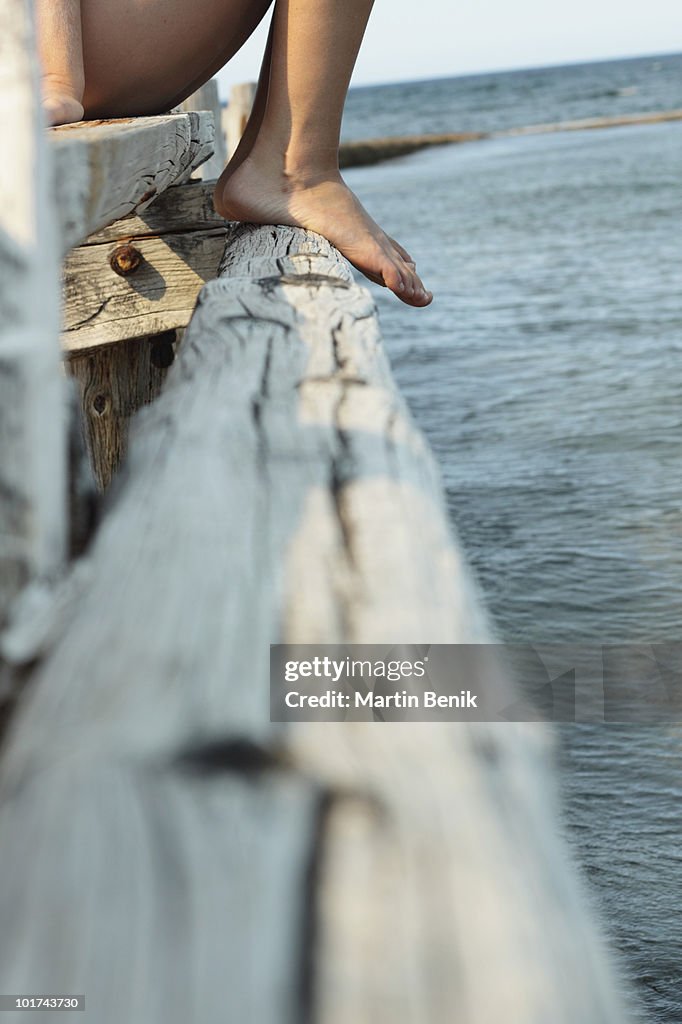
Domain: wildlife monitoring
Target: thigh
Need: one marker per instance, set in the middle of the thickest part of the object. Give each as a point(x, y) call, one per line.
point(144, 56)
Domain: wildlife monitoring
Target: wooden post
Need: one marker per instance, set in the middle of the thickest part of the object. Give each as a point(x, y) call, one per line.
point(207, 98)
point(32, 407)
point(237, 113)
point(247, 871)
point(114, 382)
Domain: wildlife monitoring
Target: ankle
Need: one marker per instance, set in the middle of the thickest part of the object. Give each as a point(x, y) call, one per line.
point(307, 174)
point(308, 161)
point(296, 166)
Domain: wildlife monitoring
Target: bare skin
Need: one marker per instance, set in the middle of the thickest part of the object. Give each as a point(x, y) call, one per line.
point(61, 49)
point(133, 57)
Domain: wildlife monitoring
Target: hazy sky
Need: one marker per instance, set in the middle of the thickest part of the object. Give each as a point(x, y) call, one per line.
point(409, 39)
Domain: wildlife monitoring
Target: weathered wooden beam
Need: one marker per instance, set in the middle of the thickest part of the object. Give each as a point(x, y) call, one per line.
point(279, 490)
point(105, 170)
point(32, 408)
point(187, 207)
point(134, 283)
point(135, 288)
point(177, 244)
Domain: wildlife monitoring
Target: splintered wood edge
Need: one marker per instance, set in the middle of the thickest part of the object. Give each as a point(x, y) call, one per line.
point(107, 170)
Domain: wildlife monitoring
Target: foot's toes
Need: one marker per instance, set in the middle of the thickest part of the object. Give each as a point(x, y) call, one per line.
point(416, 294)
point(402, 252)
point(405, 283)
point(393, 278)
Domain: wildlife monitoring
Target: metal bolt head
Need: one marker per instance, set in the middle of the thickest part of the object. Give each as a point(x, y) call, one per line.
point(125, 259)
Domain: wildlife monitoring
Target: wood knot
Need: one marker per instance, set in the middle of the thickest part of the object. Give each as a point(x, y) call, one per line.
point(100, 404)
point(125, 259)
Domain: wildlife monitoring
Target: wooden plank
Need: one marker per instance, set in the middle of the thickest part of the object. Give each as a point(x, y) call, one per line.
point(279, 490)
point(32, 419)
point(101, 306)
point(207, 98)
point(105, 170)
point(187, 207)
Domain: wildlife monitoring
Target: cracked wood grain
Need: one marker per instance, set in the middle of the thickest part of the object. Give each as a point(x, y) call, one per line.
point(101, 307)
point(107, 170)
point(322, 873)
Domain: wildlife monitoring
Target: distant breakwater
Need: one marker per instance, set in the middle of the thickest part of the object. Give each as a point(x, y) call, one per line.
point(374, 151)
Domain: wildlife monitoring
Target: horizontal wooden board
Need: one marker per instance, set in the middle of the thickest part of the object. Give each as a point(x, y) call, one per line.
point(101, 307)
point(187, 207)
point(105, 170)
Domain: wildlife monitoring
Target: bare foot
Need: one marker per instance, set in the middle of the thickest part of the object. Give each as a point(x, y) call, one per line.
point(60, 108)
point(255, 193)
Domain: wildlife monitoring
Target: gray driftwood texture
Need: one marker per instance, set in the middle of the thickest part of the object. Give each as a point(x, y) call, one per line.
point(177, 243)
point(188, 859)
point(105, 170)
point(32, 408)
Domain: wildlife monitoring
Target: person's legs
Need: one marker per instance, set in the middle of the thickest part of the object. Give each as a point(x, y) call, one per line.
point(135, 56)
point(288, 173)
point(144, 56)
point(260, 102)
point(256, 119)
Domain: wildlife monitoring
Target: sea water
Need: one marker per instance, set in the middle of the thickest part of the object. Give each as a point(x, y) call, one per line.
point(547, 375)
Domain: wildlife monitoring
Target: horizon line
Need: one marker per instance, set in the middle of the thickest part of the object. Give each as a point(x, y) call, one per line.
point(518, 67)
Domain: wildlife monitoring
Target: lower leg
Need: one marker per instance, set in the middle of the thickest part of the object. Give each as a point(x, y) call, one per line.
point(253, 125)
point(288, 170)
point(141, 56)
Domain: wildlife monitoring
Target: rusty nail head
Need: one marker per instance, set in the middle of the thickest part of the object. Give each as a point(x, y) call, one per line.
point(125, 259)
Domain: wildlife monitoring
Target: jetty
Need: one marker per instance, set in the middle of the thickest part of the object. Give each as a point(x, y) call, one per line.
point(203, 453)
point(362, 152)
